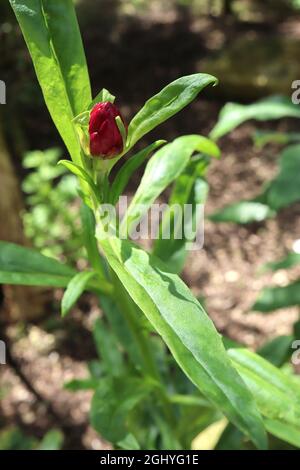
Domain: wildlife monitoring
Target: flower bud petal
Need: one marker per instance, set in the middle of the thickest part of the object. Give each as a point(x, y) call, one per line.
point(105, 138)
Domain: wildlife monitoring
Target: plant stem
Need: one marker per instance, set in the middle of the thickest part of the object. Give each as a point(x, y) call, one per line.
point(130, 312)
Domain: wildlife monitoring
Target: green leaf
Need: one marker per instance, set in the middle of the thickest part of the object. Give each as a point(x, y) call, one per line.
point(108, 348)
point(276, 394)
point(75, 288)
point(274, 298)
point(103, 95)
point(166, 103)
point(162, 169)
point(283, 431)
point(27, 267)
point(277, 351)
point(12, 438)
point(88, 234)
point(113, 403)
point(19, 259)
point(284, 189)
point(231, 439)
point(53, 440)
point(81, 173)
point(82, 384)
point(232, 115)
point(121, 329)
point(67, 44)
point(292, 259)
point(188, 332)
point(262, 138)
point(189, 188)
point(33, 279)
point(243, 212)
point(129, 443)
point(52, 35)
point(128, 168)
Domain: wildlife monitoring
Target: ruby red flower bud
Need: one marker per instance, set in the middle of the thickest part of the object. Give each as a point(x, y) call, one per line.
point(105, 137)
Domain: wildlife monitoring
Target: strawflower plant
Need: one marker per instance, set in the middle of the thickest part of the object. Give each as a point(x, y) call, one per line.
point(164, 373)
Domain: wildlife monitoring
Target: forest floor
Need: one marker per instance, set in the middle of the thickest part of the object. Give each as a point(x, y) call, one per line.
point(224, 272)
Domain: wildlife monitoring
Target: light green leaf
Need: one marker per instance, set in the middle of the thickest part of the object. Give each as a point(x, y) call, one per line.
point(290, 260)
point(67, 44)
point(232, 115)
point(81, 173)
point(128, 168)
point(19, 259)
point(276, 394)
point(189, 188)
point(33, 279)
point(113, 403)
point(283, 431)
point(162, 169)
point(88, 235)
point(108, 349)
point(53, 440)
point(284, 189)
point(243, 212)
point(103, 95)
point(166, 103)
point(188, 332)
point(262, 138)
point(129, 443)
point(52, 35)
point(75, 288)
point(132, 164)
point(121, 329)
point(274, 298)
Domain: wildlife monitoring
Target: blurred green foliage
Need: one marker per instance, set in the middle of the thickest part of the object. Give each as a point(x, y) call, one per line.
point(13, 438)
point(52, 219)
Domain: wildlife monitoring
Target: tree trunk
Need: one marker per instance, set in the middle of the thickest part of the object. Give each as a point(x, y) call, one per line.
point(227, 7)
point(20, 303)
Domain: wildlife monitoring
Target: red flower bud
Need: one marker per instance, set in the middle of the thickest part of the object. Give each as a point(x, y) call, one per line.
point(105, 137)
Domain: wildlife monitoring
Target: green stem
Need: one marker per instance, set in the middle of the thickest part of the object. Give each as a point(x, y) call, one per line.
point(130, 311)
point(142, 340)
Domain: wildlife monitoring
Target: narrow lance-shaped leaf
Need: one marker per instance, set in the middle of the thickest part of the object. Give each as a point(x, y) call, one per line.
point(82, 175)
point(24, 266)
point(233, 114)
point(166, 103)
point(189, 333)
point(60, 73)
point(243, 212)
point(108, 349)
point(113, 403)
point(75, 288)
point(103, 95)
point(17, 258)
point(189, 189)
point(162, 169)
point(88, 235)
point(284, 190)
point(276, 394)
point(121, 329)
point(128, 168)
point(274, 298)
point(290, 260)
point(67, 44)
